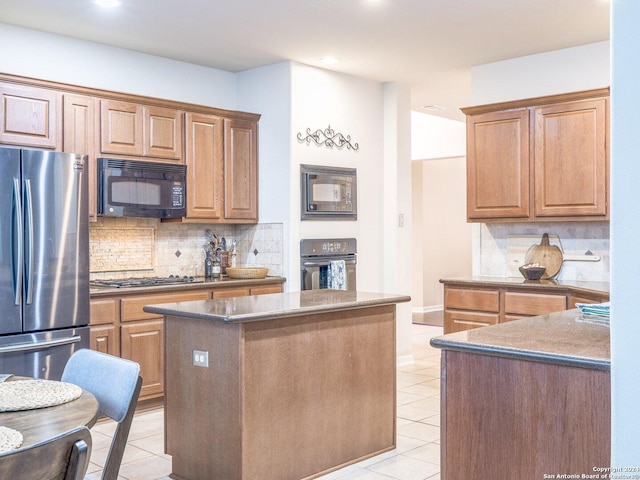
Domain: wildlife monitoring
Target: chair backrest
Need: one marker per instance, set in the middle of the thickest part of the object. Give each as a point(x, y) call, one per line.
point(115, 382)
point(63, 457)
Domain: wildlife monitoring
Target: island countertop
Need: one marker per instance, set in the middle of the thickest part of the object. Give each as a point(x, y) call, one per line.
point(559, 338)
point(267, 307)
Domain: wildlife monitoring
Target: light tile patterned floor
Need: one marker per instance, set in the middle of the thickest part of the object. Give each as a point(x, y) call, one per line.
point(416, 457)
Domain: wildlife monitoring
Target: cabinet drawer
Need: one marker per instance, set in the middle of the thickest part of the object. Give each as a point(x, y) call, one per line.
point(467, 299)
point(266, 289)
point(457, 321)
point(131, 307)
point(103, 311)
point(533, 304)
point(231, 292)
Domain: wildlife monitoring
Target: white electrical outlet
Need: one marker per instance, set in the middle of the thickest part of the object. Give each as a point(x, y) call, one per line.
point(200, 358)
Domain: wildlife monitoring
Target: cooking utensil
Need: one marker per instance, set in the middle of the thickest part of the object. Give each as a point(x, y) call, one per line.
point(545, 255)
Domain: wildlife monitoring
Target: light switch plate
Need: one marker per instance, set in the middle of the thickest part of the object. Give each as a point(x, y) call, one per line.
point(200, 358)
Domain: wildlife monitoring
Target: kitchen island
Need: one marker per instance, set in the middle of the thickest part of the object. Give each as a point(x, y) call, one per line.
point(279, 386)
point(527, 399)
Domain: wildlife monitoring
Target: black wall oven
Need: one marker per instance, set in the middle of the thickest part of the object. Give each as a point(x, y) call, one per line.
point(316, 257)
point(129, 188)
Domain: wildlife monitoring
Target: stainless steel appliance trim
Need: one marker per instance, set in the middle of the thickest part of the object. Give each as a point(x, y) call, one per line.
point(24, 347)
point(28, 209)
point(17, 254)
point(324, 263)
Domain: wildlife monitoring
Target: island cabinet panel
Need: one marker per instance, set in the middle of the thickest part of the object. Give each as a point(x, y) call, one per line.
point(507, 418)
point(282, 398)
point(498, 172)
point(30, 116)
point(571, 161)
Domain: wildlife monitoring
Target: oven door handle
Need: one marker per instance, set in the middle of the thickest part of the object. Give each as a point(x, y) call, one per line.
point(324, 264)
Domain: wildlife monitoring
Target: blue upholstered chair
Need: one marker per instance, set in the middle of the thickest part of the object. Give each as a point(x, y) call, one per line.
point(64, 457)
point(115, 382)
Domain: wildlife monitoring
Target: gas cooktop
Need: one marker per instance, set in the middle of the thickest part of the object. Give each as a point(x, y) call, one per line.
point(143, 281)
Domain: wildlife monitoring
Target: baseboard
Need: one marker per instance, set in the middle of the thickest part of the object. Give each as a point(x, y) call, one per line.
point(428, 309)
point(404, 360)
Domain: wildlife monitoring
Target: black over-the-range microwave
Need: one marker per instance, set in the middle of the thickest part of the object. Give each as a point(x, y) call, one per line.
point(328, 193)
point(129, 188)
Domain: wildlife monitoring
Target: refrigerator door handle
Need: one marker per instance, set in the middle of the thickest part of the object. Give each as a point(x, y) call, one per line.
point(25, 347)
point(19, 243)
point(28, 210)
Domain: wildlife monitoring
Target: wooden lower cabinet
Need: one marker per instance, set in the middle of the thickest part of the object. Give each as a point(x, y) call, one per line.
point(478, 306)
point(105, 339)
point(143, 342)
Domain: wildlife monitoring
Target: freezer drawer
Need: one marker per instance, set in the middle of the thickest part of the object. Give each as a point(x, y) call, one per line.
point(42, 354)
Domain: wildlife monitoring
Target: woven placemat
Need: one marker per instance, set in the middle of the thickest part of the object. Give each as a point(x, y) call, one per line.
point(29, 394)
point(10, 439)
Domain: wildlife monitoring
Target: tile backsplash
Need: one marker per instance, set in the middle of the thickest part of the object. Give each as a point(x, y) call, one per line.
point(576, 238)
point(141, 247)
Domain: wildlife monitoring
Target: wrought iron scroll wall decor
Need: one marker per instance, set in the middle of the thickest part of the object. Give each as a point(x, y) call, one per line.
point(329, 138)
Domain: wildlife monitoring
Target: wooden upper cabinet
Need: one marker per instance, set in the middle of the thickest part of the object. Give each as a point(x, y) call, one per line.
point(80, 124)
point(498, 169)
point(571, 160)
point(241, 170)
point(205, 166)
point(541, 159)
point(31, 116)
point(163, 133)
point(131, 129)
point(121, 128)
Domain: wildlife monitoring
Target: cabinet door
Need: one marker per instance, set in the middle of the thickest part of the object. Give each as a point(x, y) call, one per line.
point(241, 170)
point(571, 159)
point(80, 124)
point(104, 338)
point(104, 311)
point(498, 167)
point(121, 128)
point(30, 117)
point(143, 342)
point(163, 133)
point(204, 159)
point(528, 304)
point(131, 307)
point(458, 321)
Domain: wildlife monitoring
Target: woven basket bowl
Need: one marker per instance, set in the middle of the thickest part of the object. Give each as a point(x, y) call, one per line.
point(247, 272)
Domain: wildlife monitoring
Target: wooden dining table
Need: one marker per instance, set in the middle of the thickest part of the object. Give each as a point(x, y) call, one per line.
point(41, 424)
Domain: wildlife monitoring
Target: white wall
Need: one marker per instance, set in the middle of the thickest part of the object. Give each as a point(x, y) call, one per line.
point(625, 260)
point(436, 137)
point(46, 56)
point(442, 236)
point(560, 71)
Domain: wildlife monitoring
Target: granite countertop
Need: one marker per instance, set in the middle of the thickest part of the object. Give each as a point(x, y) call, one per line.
point(557, 338)
point(275, 305)
point(200, 283)
point(577, 286)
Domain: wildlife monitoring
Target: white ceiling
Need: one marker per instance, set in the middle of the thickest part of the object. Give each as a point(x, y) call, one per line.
point(429, 44)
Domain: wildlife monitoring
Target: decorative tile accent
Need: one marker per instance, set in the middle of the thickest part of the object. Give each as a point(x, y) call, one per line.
point(118, 249)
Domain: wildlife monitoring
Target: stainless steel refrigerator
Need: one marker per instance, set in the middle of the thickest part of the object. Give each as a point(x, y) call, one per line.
point(44, 261)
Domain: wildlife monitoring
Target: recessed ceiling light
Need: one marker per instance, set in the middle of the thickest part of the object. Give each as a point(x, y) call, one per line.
point(433, 107)
point(329, 60)
point(107, 3)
